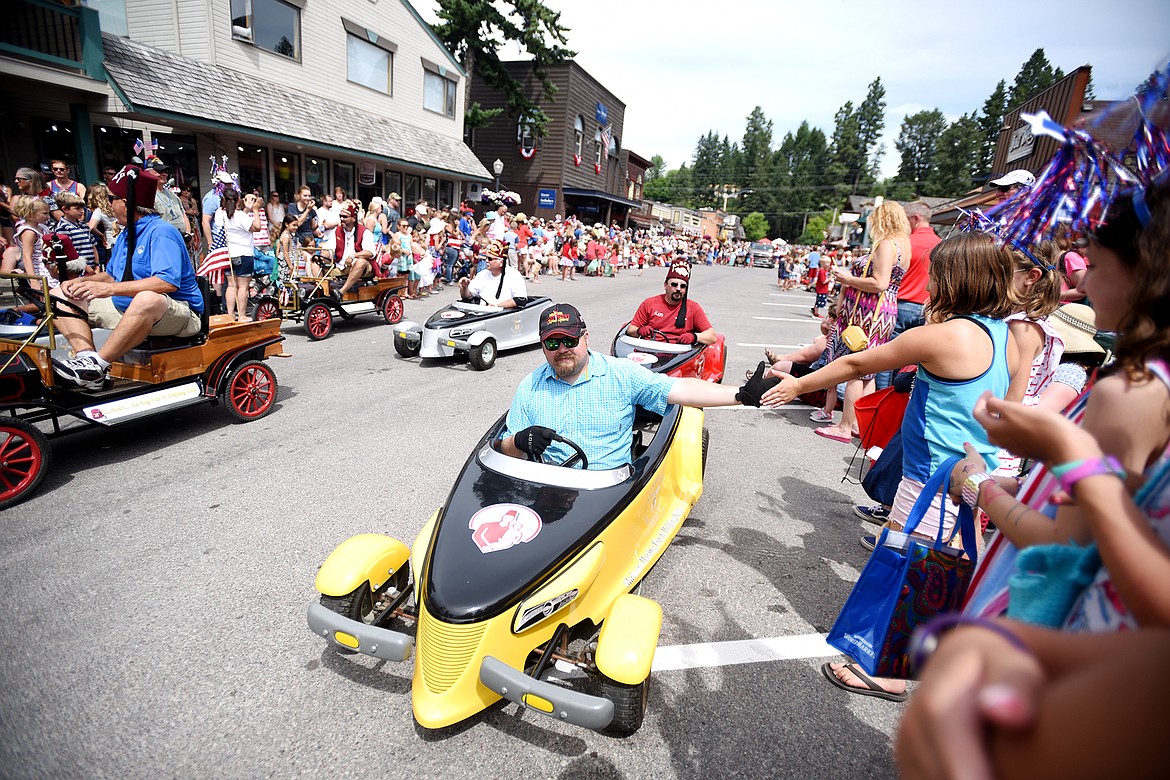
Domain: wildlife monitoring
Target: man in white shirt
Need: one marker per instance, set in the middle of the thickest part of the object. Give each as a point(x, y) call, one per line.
point(353, 251)
point(328, 214)
point(496, 285)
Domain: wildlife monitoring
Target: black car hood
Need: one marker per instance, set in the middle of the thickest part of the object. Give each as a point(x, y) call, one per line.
point(472, 574)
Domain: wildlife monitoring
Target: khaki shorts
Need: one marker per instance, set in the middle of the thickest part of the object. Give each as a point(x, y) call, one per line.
point(178, 320)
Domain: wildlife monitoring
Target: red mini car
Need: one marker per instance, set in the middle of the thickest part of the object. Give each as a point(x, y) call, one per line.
point(699, 361)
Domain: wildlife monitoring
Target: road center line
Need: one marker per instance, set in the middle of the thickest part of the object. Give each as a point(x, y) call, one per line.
point(743, 651)
point(806, 320)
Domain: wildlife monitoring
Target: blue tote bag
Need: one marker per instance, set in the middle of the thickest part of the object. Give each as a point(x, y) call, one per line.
point(907, 581)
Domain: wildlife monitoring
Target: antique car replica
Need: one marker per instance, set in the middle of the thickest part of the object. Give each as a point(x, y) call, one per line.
point(698, 361)
point(223, 363)
point(307, 300)
point(473, 329)
point(526, 565)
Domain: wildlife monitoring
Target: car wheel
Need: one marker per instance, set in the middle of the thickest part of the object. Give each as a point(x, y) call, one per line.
point(25, 456)
point(406, 348)
point(251, 392)
point(267, 309)
point(359, 604)
point(318, 321)
point(629, 704)
point(483, 356)
point(391, 308)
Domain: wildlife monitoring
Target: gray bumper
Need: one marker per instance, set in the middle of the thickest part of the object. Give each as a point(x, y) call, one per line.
point(377, 642)
point(580, 709)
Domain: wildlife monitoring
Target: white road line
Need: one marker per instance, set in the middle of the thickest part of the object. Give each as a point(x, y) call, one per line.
point(790, 305)
point(741, 407)
point(770, 346)
point(744, 651)
point(806, 320)
point(782, 294)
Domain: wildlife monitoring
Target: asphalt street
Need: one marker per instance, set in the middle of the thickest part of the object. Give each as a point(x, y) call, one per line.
point(157, 583)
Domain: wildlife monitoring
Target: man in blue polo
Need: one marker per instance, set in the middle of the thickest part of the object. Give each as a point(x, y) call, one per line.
point(157, 296)
point(590, 398)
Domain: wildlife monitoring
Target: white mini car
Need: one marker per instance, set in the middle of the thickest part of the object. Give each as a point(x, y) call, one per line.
point(478, 330)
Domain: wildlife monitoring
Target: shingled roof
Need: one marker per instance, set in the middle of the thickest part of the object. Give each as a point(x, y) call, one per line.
point(158, 82)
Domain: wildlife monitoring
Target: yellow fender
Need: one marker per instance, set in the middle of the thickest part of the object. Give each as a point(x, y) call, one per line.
point(629, 636)
point(419, 551)
point(361, 558)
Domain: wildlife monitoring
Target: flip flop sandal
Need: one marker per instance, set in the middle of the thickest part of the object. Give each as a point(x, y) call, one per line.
point(771, 356)
point(823, 433)
point(871, 689)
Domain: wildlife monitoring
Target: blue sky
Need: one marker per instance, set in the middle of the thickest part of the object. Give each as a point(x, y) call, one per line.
point(683, 69)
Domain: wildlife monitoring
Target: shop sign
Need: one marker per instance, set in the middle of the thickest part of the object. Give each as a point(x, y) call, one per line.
point(546, 199)
point(602, 114)
point(1021, 143)
point(366, 173)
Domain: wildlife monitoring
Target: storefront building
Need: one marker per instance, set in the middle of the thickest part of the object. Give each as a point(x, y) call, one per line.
point(350, 95)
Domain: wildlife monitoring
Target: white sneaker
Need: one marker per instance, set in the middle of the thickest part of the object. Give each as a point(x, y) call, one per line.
point(84, 371)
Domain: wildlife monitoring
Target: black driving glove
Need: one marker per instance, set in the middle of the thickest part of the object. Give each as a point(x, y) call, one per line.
point(753, 390)
point(535, 439)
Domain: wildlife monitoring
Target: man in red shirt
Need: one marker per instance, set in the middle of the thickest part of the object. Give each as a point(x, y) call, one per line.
point(670, 316)
point(912, 292)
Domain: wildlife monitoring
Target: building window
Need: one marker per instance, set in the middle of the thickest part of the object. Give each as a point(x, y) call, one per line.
point(286, 172)
point(579, 136)
point(316, 174)
point(438, 94)
point(111, 16)
point(369, 58)
point(368, 65)
point(597, 143)
point(430, 192)
point(446, 194)
point(344, 177)
point(270, 24)
point(526, 132)
point(253, 168)
point(392, 181)
point(438, 90)
point(613, 146)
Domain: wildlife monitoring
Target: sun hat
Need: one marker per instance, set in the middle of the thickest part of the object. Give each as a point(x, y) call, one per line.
point(1076, 324)
point(1018, 176)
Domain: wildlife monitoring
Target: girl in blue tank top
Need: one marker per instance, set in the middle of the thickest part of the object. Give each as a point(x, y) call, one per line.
point(964, 349)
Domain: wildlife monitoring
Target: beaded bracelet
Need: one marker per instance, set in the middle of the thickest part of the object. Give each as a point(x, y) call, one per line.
point(1073, 472)
point(927, 637)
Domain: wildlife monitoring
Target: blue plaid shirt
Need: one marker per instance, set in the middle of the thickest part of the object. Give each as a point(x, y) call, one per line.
point(597, 412)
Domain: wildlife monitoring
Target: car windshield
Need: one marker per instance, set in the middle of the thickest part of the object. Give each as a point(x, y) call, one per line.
point(762, 247)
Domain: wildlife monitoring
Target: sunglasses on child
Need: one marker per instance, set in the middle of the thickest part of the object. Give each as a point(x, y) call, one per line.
point(552, 345)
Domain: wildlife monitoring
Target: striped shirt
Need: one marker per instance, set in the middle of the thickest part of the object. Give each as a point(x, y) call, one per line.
point(82, 238)
point(596, 412)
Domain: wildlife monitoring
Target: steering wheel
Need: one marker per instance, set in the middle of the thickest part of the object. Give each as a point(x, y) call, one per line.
point(578, 455)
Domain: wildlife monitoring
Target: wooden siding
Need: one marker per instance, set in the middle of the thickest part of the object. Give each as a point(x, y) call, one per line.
point(552, 166)
point(1063, 102)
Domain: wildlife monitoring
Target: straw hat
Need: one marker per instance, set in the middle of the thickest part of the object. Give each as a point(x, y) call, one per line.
point(1076, 324)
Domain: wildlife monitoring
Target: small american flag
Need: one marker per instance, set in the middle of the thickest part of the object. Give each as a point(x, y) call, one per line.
point(217, 260)
point(605, 135)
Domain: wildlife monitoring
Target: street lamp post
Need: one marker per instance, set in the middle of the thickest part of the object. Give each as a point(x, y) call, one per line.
point(498, 168)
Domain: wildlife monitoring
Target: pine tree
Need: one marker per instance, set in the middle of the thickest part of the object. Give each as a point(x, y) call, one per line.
point(474, 31)
point(956, 158)
point(871, 120)
point(755, 161)
point(705, 169)
point(1035, 76)
point(916, 143)
point(990, 122)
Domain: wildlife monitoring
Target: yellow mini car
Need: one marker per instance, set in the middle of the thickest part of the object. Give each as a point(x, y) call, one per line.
point(526, 565)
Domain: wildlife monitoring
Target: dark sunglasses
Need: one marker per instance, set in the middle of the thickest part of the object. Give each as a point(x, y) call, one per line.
point(552, 345)
point(679, 285)
point(60, 169)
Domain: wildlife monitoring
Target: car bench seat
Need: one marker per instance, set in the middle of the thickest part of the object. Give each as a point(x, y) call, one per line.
point(140, 355)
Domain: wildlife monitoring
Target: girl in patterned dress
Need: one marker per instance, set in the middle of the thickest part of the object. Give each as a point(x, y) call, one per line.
point(1036, 284)
point(868, 298)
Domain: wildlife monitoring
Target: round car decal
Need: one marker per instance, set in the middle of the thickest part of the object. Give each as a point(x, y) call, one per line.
point(451, 315)
point(500, 526)
point(642, 359)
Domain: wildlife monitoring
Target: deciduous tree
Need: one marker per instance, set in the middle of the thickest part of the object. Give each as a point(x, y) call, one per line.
point(474, 31)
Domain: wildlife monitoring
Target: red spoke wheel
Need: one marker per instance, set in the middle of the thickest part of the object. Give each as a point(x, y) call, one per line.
point(24, 458)
point(318, 321)
point(267, 309)
point(251, 391)
point(391, 308)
